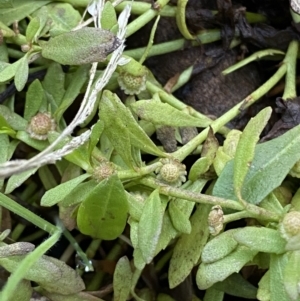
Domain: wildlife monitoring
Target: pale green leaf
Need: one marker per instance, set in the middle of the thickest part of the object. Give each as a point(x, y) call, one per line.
point(261, 239)
point(246, 148)
point(57, 194)
point(272, 162)
point(179, 220)
point(122, 279)
point(150, 226)
point(211, 273)
point(219, 247)
point(109, 17)
point(212, 294)
point(21, 75)
point(278, 264)
point(163, 114)
point(291, 275)
point(103, 213)
point(83, 46)
point(198, 168)
point(32, 28)
point(263, 293)
point(20, 10)
point(18, 179)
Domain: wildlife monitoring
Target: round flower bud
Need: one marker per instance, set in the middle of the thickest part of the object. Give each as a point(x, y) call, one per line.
point(103, 171)
point(132, 84)
point(172, 172)
point(290, 225)
point(40, 125)
point(215, 220)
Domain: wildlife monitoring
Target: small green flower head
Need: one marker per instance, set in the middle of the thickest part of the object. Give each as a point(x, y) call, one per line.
point(172, 172)
point(103, 171)
point(40, 125)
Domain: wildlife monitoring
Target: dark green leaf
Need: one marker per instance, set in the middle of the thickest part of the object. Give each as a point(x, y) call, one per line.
point(272, 162)
point(103, 213)
point(73, 90)
point(212, 294)
point(163, 114)
point(237, 285)
point(246, 148)
point(83, 46)
point(189, 247)
point(54, 82)
point(57, 194)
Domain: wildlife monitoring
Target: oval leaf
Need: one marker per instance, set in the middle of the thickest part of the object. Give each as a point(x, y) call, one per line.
point(261, 239)
point(150, 226)
point(83, 46)
point(103, 213)
point(210, 273)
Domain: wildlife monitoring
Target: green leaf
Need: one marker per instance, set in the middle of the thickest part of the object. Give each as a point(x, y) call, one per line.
point(122, 279)
point(97, 130)
point(246, 148)
point(150, 226)
point(63, 16)
point(261, 239)
point(163, 114)
point(212, 294)
point(32, 28)
point(179, 220)
point(20, 10)
point(291, 275)
point(189, 247)
point(211, 273)
point(278, 264)
point(138, 137)
point(272, 162)
point(18, 179)
point(9, 71)
point(78, 194)
point(24, 291)
point(34, 97)
point(237, 285)
point(21, 75)
point(103, 213)
point(83, 46)
point(263, 293)
point(198, 168)
point(54, 82)
point(73, 90)
point(135, 206)
point(219, 247)
point(57, 194)
point(14, 120)
point(109, 17)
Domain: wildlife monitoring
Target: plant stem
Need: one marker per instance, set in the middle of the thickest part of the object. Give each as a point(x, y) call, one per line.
point(204, 37)
point(13, 281)
point(189, 195)
point(145, 18)
point(188, 148)
point(291, 62)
